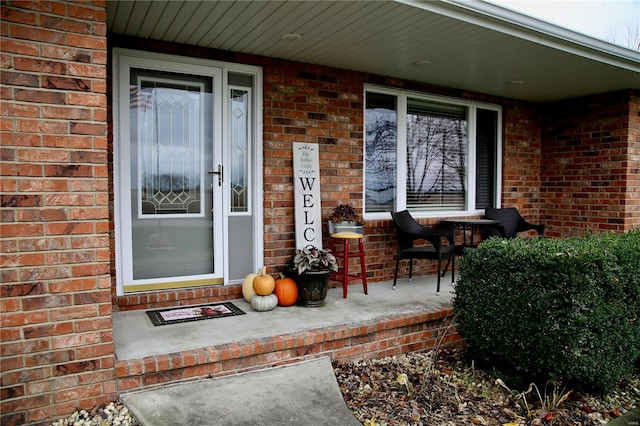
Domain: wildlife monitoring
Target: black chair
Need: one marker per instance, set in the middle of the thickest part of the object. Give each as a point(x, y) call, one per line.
point(511, 223)
point(408, 231)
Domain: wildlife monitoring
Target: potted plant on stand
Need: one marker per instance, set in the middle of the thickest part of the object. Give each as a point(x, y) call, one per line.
point(345, 218)
point(312, 267)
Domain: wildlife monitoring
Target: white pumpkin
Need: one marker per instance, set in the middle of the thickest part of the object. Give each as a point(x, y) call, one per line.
point(247, 287)
point(264, 303)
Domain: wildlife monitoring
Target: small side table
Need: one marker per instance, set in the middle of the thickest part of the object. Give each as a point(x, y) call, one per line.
point(346, 255)
point(470, 225)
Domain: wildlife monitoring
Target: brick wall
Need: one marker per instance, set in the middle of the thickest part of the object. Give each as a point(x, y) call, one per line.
point(632, 164)
point(57, 351)
point(590, 164)
point(307, 103)
point(521, 159)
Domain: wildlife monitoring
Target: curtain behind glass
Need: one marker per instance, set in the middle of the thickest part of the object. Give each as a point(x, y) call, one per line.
point(381, 121)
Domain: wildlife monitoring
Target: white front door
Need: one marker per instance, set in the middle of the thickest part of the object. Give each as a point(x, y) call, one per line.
point(171, 194)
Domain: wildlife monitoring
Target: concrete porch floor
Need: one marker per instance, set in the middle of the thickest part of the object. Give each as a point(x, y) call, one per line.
point(383, 323)
point(135, 337)
point(203, 371)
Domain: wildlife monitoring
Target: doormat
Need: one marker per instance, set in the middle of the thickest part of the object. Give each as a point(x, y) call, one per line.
point(193, 313)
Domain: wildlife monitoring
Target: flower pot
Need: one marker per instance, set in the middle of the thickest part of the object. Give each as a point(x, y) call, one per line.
point(334, 228)
point(312, 288)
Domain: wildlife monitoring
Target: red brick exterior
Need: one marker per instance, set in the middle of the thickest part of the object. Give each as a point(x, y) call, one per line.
point(591, 164)
point(632, 164)
point(57, 344)
point(573, 165)
point(521, 158)
point(306, 103)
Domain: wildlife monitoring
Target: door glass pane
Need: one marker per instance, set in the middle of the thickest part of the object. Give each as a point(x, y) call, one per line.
point(171, 137)
point(381, 121)
point(436, 155)
point(170, 147)
point(239, 138)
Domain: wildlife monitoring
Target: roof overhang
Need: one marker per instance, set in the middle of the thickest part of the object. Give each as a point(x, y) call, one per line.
point(467, 45)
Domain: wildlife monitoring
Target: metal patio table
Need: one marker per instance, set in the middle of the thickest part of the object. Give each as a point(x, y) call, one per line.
point(470, 226)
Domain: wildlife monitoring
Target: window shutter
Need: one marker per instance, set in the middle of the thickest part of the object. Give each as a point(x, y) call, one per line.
point(486, 144)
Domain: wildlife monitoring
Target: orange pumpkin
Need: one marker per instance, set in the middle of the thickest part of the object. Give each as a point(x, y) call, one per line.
point(264, 283)
point(286, 290)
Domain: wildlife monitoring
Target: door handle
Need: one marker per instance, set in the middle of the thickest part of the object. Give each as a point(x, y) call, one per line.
point(219, 173)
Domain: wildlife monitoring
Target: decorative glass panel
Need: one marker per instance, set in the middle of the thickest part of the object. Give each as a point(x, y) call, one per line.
point(381, 121)
point(239, 138)
point(436, 155)
point(170, 146)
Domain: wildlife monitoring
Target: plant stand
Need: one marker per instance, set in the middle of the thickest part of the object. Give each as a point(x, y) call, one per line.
point(345, 227)
point(346, 254)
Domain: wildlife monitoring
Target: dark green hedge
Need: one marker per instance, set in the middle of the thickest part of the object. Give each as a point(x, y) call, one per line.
point(553, 309)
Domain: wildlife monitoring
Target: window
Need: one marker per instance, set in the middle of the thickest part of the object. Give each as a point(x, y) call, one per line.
point(381, 122)
point(239, 150)
point(436, 155)
point(430, 155)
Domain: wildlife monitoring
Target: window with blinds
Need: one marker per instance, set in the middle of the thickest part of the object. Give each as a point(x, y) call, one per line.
point(436, 155)
point(442, 158)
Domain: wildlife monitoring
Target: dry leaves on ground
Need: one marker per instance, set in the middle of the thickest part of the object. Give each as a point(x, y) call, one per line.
point(418, 389)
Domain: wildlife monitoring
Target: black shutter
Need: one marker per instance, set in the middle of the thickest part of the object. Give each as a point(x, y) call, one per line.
point(486, 146)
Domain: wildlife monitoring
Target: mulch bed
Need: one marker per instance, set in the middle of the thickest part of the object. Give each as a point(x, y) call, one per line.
point(445, 389)
point(435, 389)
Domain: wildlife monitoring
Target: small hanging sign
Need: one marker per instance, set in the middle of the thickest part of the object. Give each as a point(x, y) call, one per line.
point(306, 177)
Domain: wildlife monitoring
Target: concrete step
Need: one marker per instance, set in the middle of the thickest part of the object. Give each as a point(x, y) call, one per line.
point(631, 418)
point(303, 393)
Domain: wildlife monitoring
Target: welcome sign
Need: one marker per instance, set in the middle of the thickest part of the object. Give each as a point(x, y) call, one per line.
point(306, 177)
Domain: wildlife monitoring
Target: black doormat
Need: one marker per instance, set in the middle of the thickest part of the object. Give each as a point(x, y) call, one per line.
point(193, 313)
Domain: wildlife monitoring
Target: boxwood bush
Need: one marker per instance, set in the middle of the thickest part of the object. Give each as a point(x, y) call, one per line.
point(553, 309)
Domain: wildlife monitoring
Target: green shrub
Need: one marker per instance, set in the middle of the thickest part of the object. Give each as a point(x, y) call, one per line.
point(554, 309)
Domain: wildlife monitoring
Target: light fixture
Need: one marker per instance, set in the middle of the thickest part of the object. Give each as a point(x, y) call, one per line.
point(291, 37)
point(423, 63)
point(515, 82)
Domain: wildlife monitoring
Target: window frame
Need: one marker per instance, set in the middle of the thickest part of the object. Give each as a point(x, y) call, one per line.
point(400, 202)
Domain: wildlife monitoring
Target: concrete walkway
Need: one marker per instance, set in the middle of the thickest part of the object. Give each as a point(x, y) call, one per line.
point(632, 418)
point(304, 393)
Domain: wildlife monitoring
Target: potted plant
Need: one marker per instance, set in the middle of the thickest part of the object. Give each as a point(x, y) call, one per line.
point(311, 268)
point(345, 218)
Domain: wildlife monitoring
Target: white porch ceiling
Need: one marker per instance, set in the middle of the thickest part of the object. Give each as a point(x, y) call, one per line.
point(472, 45)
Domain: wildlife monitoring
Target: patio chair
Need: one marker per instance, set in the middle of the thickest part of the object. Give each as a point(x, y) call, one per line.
point(408, 231)
point(511, 223)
